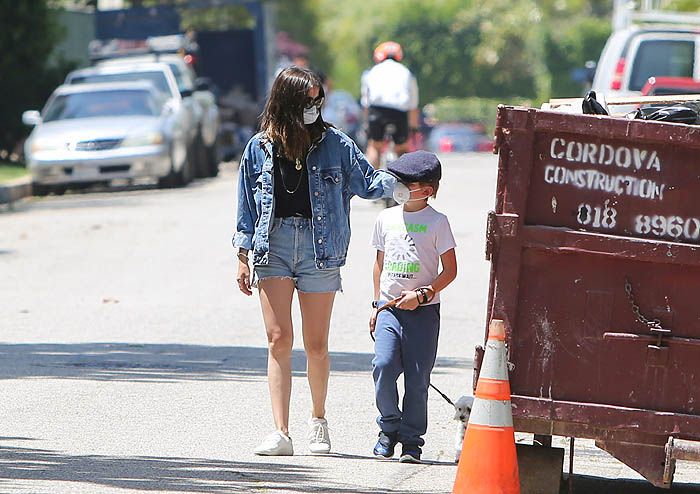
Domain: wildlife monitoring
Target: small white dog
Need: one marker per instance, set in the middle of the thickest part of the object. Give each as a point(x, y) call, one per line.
point(463, 407)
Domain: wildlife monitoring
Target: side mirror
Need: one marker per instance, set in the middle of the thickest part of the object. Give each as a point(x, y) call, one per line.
point(186, 93)
point(202, 83)
point(31, 117)
point(169, 107)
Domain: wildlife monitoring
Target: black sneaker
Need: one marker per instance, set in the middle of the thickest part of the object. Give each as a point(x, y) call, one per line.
point(385, 444)
point(410, 454)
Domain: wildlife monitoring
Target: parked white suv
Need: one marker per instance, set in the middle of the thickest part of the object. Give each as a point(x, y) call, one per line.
point(634, 54)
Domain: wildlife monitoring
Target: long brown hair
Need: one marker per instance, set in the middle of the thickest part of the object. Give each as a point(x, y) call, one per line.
point(282, 120)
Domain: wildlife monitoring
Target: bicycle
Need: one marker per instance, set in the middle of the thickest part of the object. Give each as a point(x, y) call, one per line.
point(388, 155)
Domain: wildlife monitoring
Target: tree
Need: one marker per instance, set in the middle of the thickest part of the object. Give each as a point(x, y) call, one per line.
point(28, 31)
point(461, 48)
point(300, 18)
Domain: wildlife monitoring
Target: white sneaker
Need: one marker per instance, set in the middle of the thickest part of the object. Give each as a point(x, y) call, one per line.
point(319, 440)
point(276, 444)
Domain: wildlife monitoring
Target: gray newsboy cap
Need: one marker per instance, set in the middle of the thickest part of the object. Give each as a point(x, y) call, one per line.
point(418, 166)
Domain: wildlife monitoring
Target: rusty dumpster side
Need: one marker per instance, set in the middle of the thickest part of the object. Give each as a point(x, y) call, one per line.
point(594, 245)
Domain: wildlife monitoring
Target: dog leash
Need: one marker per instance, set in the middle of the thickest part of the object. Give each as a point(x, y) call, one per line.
point(392, 303)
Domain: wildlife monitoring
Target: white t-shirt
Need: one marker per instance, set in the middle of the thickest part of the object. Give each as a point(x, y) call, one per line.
point(412, 244)
point(391, 85)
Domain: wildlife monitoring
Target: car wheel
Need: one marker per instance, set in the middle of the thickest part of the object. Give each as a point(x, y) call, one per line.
point(213, 158)
point(170, 180)
point(187, 172)
point(40, 190)
point(199, 153)
point(177, 178)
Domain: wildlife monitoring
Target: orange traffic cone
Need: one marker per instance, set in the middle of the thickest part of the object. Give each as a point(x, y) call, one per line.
point(488, 463)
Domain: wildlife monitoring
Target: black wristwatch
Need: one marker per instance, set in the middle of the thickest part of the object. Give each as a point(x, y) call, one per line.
point(375, 304)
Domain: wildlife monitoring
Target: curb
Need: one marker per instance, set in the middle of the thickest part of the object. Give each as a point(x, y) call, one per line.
point(15, 190)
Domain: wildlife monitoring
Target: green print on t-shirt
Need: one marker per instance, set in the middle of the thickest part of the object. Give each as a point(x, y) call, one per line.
point(416, 228)
point(407, 227)
point(402, 267)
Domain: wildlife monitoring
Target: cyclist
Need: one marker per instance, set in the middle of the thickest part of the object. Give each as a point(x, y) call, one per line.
point(389, 96)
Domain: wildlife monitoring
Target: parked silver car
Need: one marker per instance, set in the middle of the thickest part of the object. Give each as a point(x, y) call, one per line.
point(92, 133)
point(187, 82)
point(161, 75)
point(174, 85)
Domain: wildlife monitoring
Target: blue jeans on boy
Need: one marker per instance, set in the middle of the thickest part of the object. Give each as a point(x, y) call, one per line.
point(406, 342)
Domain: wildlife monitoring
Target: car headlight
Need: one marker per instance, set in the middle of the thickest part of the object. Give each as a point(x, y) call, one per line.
point(146, 139)
point(43, 145)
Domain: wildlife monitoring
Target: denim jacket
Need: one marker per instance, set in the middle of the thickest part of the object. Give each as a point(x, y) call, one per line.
point(337, 171)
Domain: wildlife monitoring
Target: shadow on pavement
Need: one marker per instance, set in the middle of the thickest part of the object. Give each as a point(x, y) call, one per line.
point(163, 362)
point(165, 474)
point(584, 484)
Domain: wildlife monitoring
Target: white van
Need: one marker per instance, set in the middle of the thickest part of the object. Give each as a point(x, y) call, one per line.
point(634, 54)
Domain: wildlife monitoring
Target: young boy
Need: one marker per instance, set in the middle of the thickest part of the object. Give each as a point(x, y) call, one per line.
point(412, 240)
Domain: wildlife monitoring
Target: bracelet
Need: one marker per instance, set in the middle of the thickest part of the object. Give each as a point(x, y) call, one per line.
point(375, 304)
point(242, 257)
point(422, 295)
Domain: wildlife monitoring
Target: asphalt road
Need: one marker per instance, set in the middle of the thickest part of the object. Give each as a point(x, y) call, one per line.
point(129, 362)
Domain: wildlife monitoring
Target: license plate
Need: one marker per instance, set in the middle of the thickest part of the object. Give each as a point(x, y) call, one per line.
point(86, 171)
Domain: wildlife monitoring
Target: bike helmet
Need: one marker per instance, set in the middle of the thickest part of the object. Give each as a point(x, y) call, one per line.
point(388, 49)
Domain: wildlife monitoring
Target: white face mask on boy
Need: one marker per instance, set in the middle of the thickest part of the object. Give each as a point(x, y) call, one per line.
point(310, 115)
point(402, 194)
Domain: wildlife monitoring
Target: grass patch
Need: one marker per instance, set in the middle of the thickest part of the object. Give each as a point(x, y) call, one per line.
point(11, 171)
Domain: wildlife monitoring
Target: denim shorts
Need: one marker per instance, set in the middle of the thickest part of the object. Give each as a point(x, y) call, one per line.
point(292, 256)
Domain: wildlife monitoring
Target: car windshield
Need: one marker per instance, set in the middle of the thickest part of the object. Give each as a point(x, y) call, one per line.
point(656, 58)
point(183, 81)
point(156, 77)
point(102, 104)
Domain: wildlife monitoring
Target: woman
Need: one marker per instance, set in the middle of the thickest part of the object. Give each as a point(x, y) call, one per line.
point(296, 179)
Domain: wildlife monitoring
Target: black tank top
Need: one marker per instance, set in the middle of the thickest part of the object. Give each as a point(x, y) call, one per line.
point(291, 189)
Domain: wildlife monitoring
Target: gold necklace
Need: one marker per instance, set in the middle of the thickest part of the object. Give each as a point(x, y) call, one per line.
point(301, 176)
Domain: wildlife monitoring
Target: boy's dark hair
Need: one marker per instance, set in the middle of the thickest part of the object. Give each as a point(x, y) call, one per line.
point(435, 184)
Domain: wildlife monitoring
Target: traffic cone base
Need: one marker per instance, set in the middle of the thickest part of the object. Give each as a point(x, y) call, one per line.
point(494, 470)
point(488, 463)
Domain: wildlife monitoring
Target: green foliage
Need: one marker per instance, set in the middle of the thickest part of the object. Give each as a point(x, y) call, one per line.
point(11, 171)
point(570, 48)
point(469, 48)
point(28, 32)
point(301, 19)
point(684, 5)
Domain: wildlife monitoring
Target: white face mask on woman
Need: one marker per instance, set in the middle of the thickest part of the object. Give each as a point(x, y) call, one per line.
point(310, 115)
point(402, 194)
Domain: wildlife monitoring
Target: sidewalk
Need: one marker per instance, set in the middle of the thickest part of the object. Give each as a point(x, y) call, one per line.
point(14, 190)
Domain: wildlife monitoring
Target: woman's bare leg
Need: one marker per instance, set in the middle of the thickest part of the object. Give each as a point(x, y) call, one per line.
point(276, 302)
point(316, 311)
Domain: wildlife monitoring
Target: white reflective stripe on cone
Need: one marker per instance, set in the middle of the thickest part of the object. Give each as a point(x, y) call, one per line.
point(495, 364)
point(493, 413)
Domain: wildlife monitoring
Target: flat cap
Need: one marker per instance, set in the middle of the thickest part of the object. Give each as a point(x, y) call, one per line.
point(418, 166)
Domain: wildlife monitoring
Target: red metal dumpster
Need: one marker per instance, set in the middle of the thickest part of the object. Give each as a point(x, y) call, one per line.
point(595, 269)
